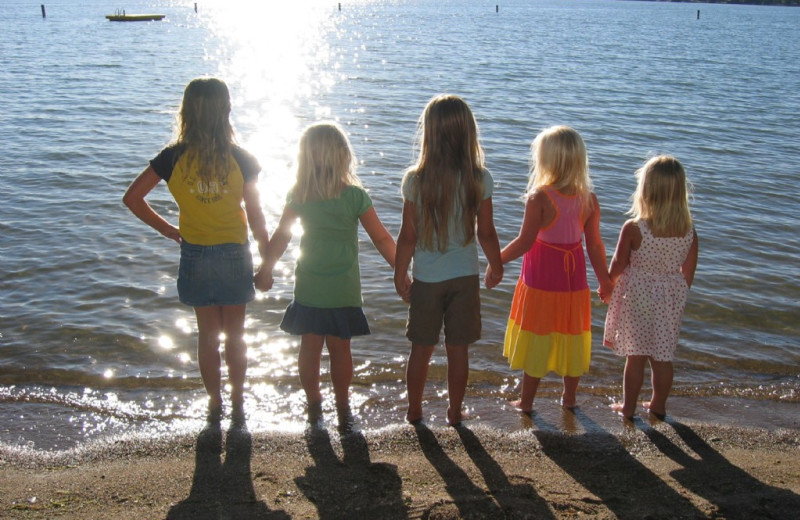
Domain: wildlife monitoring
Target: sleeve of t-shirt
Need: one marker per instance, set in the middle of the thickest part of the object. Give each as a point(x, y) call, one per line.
point(164, 162)
point(247, 163)
point(488, 184)
point(405, 187)
point(362, 202)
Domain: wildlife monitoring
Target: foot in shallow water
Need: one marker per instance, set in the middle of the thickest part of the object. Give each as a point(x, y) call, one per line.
point(414, 415)
point(620, 409)
point(660, 415)
point(456, 417)
point(527, 410)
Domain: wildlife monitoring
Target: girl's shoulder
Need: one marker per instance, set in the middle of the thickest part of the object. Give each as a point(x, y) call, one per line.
point(631, 233)
point(167, 158)
point(354, 191)
point(410, 177)
point(247, 162)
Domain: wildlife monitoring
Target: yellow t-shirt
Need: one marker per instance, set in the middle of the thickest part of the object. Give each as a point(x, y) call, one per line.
point(211, 212)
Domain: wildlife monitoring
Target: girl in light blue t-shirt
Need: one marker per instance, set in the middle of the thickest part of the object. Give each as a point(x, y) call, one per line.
point(447, 204)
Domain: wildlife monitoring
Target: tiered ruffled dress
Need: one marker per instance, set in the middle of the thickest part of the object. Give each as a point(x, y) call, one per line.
point(549, 328)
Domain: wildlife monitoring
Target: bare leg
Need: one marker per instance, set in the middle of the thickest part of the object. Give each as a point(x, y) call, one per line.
point(631, 385)
point(235, 351)
point(661, 377)
point(308, 365)
point(457, 377)
point(569, 397)
point(341, 362)
point(209, 326)
point(530, 385)
point(416, 375)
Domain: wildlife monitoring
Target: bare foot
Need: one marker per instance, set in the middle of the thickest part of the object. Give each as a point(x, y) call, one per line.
point(314, 411)
point(620, 409)
point(519, 406)
point(660, 415)
point(568, 406)
point(414, 416)
point(455, 417)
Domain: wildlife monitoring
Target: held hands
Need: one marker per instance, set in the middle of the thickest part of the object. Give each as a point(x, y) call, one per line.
point(605, 290)
point(493, 277)
point(263, 279)
point(402, 284)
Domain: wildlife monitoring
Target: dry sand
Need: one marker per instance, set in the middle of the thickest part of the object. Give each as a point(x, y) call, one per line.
point(649, 470)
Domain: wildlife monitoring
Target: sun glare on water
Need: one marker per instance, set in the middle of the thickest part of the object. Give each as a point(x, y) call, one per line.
point(278, 62)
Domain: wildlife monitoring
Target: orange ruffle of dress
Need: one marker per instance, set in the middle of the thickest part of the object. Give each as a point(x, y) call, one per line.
point(549, 328)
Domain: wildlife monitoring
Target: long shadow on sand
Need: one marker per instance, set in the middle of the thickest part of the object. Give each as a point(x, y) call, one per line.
point(735, 493)
point(223, 489)
point(517, 500)
point(353, 487)
point(600, 463)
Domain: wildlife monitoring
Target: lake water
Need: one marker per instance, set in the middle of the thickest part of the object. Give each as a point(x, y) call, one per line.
point(93, 342)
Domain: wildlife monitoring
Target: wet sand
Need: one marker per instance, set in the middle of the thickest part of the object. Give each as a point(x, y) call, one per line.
point(674, 469)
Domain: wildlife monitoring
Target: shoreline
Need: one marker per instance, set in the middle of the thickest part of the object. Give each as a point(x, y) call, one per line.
point(674, 469)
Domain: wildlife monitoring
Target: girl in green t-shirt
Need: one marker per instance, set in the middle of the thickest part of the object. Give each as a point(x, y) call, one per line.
point(326, 309)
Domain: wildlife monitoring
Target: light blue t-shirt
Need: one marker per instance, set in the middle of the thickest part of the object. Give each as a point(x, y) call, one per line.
point(458, 259)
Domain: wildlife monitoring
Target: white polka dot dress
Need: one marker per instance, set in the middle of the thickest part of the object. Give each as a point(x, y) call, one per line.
point(646, 307)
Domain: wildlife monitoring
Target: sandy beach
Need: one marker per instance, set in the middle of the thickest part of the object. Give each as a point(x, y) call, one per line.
point(650, 470)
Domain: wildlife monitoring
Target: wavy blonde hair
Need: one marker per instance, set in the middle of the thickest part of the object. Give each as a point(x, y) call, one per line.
point(449, 170)
point(662, 196)
point(325, 163)
point(559, 160)
point(204, 126)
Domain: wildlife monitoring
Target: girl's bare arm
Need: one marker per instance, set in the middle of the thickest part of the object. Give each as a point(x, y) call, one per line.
point(255, 217)
point(277, 246)
point(597, 250)
point(134, 199)
point(529, 230)
point(406, 243)
point(487, 237)
point(629, 240)
point(690, 264)
point(381, 238)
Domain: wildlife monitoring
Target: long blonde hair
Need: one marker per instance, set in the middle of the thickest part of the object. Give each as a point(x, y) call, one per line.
point(662, 196)
point(325, 163)
point(204, 126)
point(559, 160)
point(449, 169)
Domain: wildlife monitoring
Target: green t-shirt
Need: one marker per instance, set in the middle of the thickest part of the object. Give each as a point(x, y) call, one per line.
point(326, 274)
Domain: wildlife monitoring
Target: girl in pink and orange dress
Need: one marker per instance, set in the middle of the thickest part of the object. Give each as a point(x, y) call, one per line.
point(653, 268)
point(549, 329)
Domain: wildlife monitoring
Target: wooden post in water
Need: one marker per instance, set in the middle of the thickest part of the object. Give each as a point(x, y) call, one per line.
point(195, 7)
point(340, 6)
point(698, 14)
point(44, 13)
point(497, 8)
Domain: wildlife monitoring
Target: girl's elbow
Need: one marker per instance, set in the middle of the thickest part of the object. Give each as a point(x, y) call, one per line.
point(130, 200)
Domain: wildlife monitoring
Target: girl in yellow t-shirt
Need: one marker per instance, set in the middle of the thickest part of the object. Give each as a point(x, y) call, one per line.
point(210, 176)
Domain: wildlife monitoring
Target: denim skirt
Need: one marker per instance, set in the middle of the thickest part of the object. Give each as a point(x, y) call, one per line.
point(342, 322)
point(215, 275)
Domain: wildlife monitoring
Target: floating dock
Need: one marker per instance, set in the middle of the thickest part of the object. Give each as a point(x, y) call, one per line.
point(135, 17)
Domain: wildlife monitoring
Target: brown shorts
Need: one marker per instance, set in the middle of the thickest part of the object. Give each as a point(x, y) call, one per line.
point(455, 302)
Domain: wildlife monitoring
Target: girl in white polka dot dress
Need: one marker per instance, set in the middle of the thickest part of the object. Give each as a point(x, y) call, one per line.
point(652, 269)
